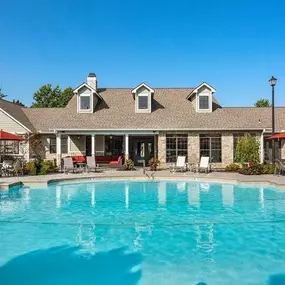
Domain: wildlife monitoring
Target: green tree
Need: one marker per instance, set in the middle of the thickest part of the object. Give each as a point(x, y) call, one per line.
point(262, 103)
point(2, 95)
point(18, 103)
point(66, 95)
point(49, 97)
point(247, 150)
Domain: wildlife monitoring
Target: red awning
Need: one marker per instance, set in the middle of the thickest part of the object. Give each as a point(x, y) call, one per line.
point(4, 136)
point(280, 136)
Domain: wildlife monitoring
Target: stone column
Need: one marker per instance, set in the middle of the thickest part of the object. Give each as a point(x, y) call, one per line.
point(193, 147)
point(227, 148)
point(58, 149)
point(93, 143)
point(162, 147)
point(126, 147)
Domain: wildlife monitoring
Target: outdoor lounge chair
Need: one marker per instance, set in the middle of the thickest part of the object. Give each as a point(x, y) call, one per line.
point(116, 163)
point(91, 164)
point(180, 164)
point(68, 165)
point(204, 165)
point(279, 167)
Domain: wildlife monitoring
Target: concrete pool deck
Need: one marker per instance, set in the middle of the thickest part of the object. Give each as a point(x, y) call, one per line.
point(226, 177)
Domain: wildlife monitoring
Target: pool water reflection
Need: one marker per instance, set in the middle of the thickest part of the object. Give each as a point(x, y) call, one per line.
point(186, 232)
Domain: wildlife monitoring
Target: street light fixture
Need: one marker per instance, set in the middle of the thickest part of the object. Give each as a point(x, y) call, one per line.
point(272, 82)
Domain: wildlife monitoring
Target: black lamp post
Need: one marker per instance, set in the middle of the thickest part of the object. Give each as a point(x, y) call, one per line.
point(272, 82)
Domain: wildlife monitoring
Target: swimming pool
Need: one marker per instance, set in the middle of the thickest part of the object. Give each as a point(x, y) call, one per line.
point(144, 232)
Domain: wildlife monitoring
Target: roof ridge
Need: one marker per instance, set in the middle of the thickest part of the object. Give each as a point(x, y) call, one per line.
point(151, 87)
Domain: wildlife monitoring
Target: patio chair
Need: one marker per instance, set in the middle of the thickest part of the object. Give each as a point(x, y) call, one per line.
point(15, 169)
point(180, 164)
point(91, 164)
point(279, 167)
point(204, 165)
point(68, 165)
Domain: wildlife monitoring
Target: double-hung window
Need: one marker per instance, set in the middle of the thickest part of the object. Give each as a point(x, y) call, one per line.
point(143, 102)
point(204, 102)
point(84, 101)
point(211, 146)
point(52, 144)
point(64, 144)
point(176, 145)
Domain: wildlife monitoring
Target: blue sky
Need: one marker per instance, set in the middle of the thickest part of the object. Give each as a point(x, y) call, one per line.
point(233, 45)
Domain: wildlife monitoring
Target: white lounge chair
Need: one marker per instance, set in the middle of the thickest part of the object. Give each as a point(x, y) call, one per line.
point(204, 164)
point(68, 165)
point(180, 164)
point(91, 164)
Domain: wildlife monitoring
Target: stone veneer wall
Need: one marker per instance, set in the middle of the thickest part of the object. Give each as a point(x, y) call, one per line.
point(227, 148)
point(194, 148)
point(161, 145)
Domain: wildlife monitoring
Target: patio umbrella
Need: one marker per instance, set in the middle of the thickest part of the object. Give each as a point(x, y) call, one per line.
point(280, 136)
point(5, 136)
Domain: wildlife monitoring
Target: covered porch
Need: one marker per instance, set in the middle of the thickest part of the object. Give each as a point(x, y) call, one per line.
point(139, 146)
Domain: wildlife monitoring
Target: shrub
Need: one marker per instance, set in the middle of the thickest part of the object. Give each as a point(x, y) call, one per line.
point(30, 168)
point(247, 150)
point(129, 165)
point(232, 167)
point(39, 167)
point(268, 168)
point(257, 169)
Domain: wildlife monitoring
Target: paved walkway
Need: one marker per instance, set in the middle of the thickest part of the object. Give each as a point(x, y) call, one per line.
point(43, 180)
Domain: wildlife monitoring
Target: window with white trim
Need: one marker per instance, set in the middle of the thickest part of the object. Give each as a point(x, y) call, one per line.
point(143, 101)
point(84, 101)
point(64, 144)
point(211, 146)
point(204, 102)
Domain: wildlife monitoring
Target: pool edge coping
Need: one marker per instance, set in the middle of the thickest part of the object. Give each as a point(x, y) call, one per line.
point(45, 183)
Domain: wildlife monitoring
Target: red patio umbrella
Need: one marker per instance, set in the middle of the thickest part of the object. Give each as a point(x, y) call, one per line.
point(280, 136)
point(4, 136)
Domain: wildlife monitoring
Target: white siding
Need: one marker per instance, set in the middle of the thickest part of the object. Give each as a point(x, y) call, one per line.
point(77, 144)
point(9, 125)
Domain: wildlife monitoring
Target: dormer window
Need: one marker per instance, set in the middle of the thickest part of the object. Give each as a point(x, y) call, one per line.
point(87, 96)
point(204, 102)
point(202, 98)
point(143, 98)
point(85, 101)
point(143, 101)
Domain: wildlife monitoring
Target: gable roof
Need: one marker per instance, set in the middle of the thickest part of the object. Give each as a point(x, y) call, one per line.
point(15, 112)
point(142, 85)
point(201, 85)
point(87, 86)
point(170, 111)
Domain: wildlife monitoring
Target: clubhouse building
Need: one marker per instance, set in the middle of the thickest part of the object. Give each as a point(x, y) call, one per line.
point(141, 122)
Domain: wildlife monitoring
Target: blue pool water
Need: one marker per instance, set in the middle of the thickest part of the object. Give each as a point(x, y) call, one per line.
point(144, 233)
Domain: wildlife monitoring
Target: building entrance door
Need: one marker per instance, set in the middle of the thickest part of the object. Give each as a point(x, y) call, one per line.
point(142, 150)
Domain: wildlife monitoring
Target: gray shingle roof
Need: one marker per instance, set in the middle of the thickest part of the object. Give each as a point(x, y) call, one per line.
point(171, 110)
point(17, 113)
